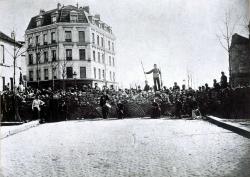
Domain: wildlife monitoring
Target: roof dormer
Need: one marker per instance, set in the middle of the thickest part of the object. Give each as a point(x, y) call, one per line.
point(54, 17)
point(39, 20)
point(73, 16)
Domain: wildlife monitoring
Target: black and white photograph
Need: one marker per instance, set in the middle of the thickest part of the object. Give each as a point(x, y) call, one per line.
point(128, 88)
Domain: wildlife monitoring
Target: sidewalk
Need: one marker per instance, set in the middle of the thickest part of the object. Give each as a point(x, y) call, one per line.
point(6, 131)
point(240, 126)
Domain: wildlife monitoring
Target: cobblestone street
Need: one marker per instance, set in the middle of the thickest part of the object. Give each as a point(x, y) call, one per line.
point(130, 147)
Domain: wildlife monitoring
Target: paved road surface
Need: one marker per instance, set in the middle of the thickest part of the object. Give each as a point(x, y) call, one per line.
point(130, 147)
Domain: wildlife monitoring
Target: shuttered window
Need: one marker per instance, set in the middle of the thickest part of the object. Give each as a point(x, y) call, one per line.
point(68, 54)
point(82, 72)
point(82, 54)
point(69, 72)
point(81, 36)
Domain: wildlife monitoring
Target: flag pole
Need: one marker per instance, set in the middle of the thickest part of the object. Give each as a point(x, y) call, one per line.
point(144, 71)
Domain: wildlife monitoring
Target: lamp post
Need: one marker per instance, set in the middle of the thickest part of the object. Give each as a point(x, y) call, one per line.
point(74, 75)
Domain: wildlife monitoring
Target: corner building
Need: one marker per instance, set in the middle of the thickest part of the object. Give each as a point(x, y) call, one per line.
point(68, 46)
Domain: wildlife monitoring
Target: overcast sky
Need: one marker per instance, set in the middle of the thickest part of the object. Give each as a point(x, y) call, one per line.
point(178, 35)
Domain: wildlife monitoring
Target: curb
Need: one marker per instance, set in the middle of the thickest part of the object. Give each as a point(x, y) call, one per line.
point(234, 127)
point(17, 129)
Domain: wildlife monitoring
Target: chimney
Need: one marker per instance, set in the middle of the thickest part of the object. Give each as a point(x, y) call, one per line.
point(42, 11)
point(12, 35)
point(97, 16)
point(58, 6)
point(86, 8)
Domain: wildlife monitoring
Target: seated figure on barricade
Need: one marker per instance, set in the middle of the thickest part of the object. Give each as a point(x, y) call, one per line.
point(120, 110)
point(156, 110)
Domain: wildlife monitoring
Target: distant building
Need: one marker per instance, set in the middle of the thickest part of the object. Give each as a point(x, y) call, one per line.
point(239, 61)
point(69, 45)
point(7, 45)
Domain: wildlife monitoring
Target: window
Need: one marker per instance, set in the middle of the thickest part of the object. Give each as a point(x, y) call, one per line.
point(68, 36)
point(53, 54)
point(37, 58)
point(93, 55)
point(30, 59)
point(37, 40)
point(99, 73)
point(30, 41)
point(46, 74)
point(45, 55)
point(103, 58)
point(1, 53)
point(54, 72)
point(103, 74)
point(53, 37)
point(31, 75)
point(110, 75)
point(113, 76)
point(113, 61)
point(98, 40)
point(99, 57)
point(83, 72)
point(53, 19)
point(102, 41)
point(81, 36)
point(109, 45)
point(82, 54)
point(45, 39)
point(93, 38)
point(73, 18)
point(38, 23)
point(109, 60)
point(69, 72)
point(68, 54)
point(95, 72)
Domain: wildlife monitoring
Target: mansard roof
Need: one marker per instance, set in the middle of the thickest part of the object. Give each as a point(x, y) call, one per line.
point(63, 16)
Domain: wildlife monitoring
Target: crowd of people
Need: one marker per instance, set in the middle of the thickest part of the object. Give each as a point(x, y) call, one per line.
point(88, 102)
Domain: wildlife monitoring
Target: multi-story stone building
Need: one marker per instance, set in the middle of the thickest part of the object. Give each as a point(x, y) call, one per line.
point(239, 59)
point(8, 46)
point(68, 45)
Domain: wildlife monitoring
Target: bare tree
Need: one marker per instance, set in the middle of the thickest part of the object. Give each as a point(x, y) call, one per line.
point(226, 31)
point(54, 65)
point(64, 65)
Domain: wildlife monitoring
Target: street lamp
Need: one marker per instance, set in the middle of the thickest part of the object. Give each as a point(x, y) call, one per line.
point(74, 75)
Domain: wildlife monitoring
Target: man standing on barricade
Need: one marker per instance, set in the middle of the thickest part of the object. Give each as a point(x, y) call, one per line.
point(156, 77)
point(105, 105)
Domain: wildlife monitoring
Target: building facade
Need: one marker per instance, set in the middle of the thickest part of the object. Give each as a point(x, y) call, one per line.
point(7, 47)
point(239, 59)
point(68, 46)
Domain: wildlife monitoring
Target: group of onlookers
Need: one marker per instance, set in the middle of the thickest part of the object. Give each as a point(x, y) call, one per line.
point(88, 102)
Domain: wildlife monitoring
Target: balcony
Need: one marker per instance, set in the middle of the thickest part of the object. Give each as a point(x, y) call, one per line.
point(68, 40)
